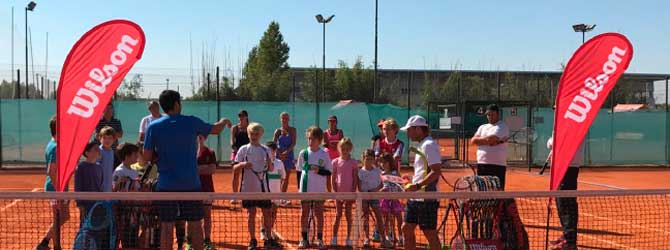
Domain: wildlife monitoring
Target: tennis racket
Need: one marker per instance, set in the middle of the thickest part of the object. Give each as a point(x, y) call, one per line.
point(418, 152)
point(546, 163)
point(397, 181)
point(261, 171)
point(525, 136)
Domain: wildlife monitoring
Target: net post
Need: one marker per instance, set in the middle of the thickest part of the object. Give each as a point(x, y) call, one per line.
point(358, 221)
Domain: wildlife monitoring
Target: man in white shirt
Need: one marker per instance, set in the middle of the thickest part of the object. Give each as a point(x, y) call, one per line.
point(155, 114)
point(567, 206)
point(491, 141)
point(427, 167)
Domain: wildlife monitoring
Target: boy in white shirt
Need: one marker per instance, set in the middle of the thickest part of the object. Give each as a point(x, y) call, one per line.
point(255, 162)
point(125, 179)
point(276, 179)
point(316, 169)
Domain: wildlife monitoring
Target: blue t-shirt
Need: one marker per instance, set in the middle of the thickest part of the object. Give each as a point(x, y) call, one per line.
point(173, 139)
point(107, 164)
point(50, 157)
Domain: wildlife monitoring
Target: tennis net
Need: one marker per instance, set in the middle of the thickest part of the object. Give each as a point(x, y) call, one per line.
point(621, 219)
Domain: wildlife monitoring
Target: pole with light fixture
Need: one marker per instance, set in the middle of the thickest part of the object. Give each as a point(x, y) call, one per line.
point(583, 28)
point(320, 19)
point(29, 7)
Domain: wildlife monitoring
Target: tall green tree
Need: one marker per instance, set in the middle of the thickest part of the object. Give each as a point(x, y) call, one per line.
point(265, 76)
point(131, 90)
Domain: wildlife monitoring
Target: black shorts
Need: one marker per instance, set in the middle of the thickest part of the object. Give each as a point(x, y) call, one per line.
point(169, 211)
point(423, 213)
point(257, 203)
point(175, 210)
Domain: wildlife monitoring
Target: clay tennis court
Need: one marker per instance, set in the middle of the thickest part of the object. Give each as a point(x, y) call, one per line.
point(605, 222)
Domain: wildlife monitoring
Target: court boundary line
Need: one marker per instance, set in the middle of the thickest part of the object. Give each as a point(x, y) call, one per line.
point(16, 201)
point(613, 243)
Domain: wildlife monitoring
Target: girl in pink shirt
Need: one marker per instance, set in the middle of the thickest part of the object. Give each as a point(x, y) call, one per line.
point(344, 179)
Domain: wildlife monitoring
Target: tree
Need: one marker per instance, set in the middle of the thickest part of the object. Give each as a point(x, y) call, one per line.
point(131, 90)
point(265, 76)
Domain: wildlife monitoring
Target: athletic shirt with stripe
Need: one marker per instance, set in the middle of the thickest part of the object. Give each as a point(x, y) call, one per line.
point(310, 181)
point(395, 148)
point(258, 157)
point(332, 139)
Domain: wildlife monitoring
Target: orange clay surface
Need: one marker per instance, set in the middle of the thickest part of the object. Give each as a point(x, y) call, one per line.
point(602, 226)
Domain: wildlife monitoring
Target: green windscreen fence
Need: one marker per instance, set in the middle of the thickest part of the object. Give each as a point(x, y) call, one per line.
point(628, 138)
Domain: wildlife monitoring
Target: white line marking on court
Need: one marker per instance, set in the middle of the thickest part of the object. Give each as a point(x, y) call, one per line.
point(613, 243)
point(17, 201)
point(583, 182)
point(553, 206)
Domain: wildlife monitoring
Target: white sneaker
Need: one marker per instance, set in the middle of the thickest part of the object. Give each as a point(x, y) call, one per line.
point(264, 236)
point(366, 243)
point(275, 235)
point(389, 238)
point(320, 245)
point(234, 202)
point(303, 244)
point(348, 243)
point(333, 241)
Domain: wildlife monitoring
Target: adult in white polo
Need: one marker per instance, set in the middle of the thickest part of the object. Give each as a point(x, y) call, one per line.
point(427, 162)
point(154, 114)
point(491, 141)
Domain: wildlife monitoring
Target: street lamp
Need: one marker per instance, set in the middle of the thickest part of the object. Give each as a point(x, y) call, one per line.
point(29, 7)
point(320, 19)
point(583, 28)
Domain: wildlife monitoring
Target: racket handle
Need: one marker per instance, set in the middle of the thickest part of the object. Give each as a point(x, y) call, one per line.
point(544, 167)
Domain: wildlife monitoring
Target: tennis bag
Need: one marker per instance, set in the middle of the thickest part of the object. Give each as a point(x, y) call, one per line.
point(492, 224)
point(98, 230)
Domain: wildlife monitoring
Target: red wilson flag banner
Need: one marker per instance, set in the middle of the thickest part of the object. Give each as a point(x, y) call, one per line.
point(586, 81)
point(92, 72)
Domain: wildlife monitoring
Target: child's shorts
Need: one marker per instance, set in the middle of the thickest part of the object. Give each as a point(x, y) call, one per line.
point(391, 206)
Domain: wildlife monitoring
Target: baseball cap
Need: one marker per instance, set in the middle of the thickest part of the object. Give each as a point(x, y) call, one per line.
point(415, 121)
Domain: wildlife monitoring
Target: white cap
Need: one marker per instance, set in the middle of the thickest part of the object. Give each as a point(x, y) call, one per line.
point(415, 121)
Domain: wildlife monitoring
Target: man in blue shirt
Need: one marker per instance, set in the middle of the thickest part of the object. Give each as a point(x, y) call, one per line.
point(59, 208)
point(171, 142)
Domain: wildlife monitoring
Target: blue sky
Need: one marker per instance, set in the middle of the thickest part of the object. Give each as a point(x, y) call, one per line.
point(487, 35)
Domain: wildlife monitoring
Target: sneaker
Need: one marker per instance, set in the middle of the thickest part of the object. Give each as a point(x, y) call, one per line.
point(558, 240)
point(366, 243)
point(389, 238)
point(375, 236)
point(209, 245)
point(401, 241)
point(271, 244)
point(253, 244)
point(333, 242)
point(320, 245)
point(264, 236)
point(348, 243)
point(42, 247)
point(303, 244)
point(275, 235)
point(234, 202)
point(387, 244)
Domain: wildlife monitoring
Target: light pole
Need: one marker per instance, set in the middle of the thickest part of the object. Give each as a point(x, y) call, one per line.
point(374, 81)
point(583, 28)
point(29, 7)
point(586, 28)
point(320, 19)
